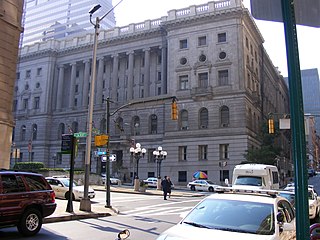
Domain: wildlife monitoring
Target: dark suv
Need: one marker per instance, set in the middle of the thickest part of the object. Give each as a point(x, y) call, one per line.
point(25, 199)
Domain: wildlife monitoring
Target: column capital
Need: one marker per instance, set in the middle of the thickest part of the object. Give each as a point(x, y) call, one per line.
point(130, 52)
point(86, 61)
point(147, 49)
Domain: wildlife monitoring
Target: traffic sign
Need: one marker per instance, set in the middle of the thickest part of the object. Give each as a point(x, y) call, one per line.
point(67, 143)
point(307, 12)
point(80, 134)
point(113, 158)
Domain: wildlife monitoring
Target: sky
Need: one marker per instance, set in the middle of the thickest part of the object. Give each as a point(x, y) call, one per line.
point(137, 11)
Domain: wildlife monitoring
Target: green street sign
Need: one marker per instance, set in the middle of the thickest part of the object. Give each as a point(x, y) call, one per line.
point(80, 134)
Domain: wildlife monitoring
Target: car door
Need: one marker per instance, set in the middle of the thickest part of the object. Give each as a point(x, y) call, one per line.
point(202, 185)
point(57, 187)
point(13, 197)
point(289, 218)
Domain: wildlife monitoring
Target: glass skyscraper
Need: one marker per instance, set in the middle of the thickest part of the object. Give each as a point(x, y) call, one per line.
point(54, 19)
point(311, 94)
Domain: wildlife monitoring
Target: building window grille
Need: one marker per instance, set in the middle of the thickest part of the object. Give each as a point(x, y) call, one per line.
point(183, 153)
point(224, 151)
point(203, 152)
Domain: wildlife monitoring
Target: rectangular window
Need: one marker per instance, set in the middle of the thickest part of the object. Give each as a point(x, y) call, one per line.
point(222, 37)
point(18, 75)
point(104, 68)
point(159, 90)
point(142, 78)
point(25, 104)
point(28, 74)
point(151, 158)
point(159, 59)
point(36, 102)
point(75, 102)
point(142, 93)
point(183, 82)
point(39, 71)
point(76, 88)
point(183, 153)
point(59, 158)
point(182, 176)
point(159, 76)
point(15, 105)
point(202, 41)
point(183, 44)
point(203, 152)
point(203, 80)
point(224, 174)
point(224, 151)
point(223, 76)
point(77, 73)
point(143, 62)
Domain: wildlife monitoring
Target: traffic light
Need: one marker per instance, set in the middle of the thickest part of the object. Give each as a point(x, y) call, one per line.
point(271, 126)
point(174, 110)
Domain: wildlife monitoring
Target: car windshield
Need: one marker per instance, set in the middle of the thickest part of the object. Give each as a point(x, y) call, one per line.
point(249, 180)
point(233, 215)
point(67, 181)
point(210, 182)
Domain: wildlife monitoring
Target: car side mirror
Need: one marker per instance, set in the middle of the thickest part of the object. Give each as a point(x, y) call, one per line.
point(280, 217)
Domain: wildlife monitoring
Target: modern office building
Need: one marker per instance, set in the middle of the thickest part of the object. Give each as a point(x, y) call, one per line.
point(56, 19)
point(311, 94)
point(209, 57)
point(10, 29)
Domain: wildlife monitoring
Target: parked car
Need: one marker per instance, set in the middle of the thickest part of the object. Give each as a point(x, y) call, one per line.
point(60, 185)
point(25, 199)
point(202, 185)
point(151, 181)
point(113, 180)
point(239, 214)
point(314, 201)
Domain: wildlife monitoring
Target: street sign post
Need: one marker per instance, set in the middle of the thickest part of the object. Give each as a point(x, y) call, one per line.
point(80, 134)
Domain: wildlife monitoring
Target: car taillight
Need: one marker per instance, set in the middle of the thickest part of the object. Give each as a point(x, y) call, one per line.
point(52, 197)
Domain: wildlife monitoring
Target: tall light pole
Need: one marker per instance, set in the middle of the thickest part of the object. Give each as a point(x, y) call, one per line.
point(85, 204)
point(137, 153)
point(159, 155)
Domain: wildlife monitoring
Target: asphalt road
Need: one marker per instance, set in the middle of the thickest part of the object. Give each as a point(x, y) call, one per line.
point(146, 216)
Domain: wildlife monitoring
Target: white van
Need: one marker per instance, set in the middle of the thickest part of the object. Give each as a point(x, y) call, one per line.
point(258, 176)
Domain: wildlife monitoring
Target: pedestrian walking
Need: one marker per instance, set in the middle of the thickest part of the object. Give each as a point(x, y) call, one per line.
point(170, 186)
point(165, 187)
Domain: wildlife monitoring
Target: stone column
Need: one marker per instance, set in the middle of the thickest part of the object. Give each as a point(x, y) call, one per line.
point(99, 88)
point(130, 76)
point(146, 84)
point(72, 84)
point(86, 80)
point(60, 87)
point(114, 79)
point(164, 70)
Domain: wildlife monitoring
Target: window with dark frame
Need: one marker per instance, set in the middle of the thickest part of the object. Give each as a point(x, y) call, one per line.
point(182, 153)
point(224, 151)
point(203, 152)
point(223, 76)
point(203, 80)
point(183, 82)
point(183, 44)
point(202, 41)
point(222, 37)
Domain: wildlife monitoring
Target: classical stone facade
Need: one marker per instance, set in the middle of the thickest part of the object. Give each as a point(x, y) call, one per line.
point(209, 57)
point(10, 29)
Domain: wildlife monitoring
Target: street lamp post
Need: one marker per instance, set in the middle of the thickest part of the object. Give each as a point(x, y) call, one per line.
point(137, 153)
point(159, 155)
point(85, 204)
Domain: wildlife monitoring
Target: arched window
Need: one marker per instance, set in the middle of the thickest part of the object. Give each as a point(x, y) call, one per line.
point(23, 133)
point(153, 124)
point(224, 116)
point(34, 132)
point(203, 118)
point(103, 125)
point(75, 127)
point(135, 126)
point(119, 126)
point(184, 120)
point(61, 130)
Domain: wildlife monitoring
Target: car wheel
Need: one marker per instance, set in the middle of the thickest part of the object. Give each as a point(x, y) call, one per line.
point(30, 222)
point(210, 189)
point(193, 188)
point(67, 196)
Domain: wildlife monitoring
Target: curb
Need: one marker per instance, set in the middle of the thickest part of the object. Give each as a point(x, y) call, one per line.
point(75, 217)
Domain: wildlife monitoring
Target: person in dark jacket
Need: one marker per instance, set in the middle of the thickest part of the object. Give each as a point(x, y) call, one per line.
point(170, 186)
point(165, 187)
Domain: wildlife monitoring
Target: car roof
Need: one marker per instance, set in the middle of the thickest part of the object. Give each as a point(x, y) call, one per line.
point(19, 172)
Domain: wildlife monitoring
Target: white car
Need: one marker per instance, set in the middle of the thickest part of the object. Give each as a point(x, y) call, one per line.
point(151, 181)
point(313, 199)
point(113, 180)
point(60, 186)
point(237, 215)
point(202, 185)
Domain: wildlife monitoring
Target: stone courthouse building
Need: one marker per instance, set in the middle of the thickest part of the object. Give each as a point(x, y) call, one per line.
point(210, 57)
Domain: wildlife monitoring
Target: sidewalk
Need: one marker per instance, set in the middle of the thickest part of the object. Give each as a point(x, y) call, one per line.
point(99, 209)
